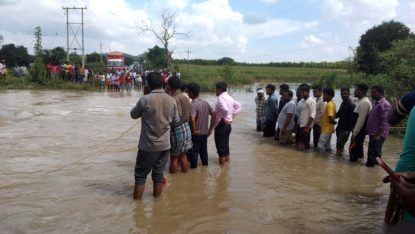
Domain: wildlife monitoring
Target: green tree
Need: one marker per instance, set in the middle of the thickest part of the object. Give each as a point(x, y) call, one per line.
point(58, 55)
point(75, 58)
point(155, 58)
point(37, 71)
point(15, 55)
point(93, 58)
point(226, 61)
point(399, 64)
point(376, 40)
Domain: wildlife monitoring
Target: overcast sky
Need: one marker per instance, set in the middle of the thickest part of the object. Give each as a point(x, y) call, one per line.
point(246, 30)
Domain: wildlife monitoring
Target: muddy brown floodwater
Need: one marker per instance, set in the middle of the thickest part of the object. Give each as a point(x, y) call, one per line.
point(64, 170)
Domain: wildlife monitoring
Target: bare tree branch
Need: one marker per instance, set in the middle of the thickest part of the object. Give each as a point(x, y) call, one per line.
point(164, 32)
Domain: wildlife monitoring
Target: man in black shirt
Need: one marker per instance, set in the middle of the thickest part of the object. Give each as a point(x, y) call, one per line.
point(345, 124)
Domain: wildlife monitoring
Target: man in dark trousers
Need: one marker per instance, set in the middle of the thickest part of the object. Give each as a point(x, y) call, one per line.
point(158, 111)
point(345, 116)
point(271, 112)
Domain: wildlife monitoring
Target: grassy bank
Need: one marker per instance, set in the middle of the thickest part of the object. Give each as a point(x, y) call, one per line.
point(208, 75)
point(25, 82)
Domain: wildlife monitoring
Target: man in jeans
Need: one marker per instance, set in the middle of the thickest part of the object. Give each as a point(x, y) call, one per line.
point(377, 125)
point(157, 111)
point(226, 109)
point(327, 121)
point(199, 124)
point(271, 112)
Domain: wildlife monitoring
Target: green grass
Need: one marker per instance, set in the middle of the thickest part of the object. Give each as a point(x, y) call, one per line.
point(25, 82)
point(207, 75)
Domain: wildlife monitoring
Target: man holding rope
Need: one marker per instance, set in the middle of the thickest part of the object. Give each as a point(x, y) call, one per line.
point(158, 111)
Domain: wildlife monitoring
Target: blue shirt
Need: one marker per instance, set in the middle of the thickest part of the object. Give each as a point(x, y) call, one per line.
point(271, 108)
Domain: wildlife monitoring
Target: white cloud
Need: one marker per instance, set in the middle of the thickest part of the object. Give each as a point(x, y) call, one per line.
point(278, 27)
point(373, 11)
point(311, 40)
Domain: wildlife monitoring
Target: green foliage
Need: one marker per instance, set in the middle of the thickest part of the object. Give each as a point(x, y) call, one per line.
point(156, 58)
point(225, 61)
point(207, 76)
point(322, 65)
point(376, 40)
point(15, 56)
point(37, 71)
point(328, 80)
point(27, 83)
point(97, 67)
point(75, 58)
point(227, 73)
point(399, 67)
point(93, 58)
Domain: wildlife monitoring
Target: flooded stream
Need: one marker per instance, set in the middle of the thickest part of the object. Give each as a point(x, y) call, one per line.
point(65, 169)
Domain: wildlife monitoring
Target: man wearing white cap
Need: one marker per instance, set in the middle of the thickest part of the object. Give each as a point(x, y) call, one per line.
point(260, 109)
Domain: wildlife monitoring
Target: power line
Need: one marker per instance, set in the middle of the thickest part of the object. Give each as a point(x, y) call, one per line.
point(74, 34)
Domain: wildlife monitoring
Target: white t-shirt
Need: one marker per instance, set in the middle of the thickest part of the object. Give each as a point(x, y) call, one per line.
point(308, 110)
point(320, 106)
point(289, 108)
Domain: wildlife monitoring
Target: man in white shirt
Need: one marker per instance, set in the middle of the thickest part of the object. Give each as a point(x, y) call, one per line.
point(361, 113)
point(307, 116)
point(3, 70)
point(320, 106)
point(286, 118)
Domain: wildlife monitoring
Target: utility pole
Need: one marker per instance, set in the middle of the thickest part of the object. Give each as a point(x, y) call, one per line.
point(75, 33)
point(188, 58)
point(100, 46)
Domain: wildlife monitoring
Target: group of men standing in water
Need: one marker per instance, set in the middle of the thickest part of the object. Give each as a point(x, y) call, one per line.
point(291, 120)
point(175, 128)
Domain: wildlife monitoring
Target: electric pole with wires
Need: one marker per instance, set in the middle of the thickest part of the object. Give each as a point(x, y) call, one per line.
point(75, 33)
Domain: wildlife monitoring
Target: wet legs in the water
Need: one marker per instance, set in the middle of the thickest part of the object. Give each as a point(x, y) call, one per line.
point(138, 192)
point(223, 159)
point(174, 163)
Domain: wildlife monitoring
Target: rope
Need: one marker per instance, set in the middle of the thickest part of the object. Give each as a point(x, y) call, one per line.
point(25, 181)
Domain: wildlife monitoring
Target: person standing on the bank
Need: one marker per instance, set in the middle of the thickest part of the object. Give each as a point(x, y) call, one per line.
point(286, 118)
point(327, 121)
point(271, 112)
point(199, 123)
point(320, 107)
point(226, 109)
point(359, 131)
point(377, 125)
point(307, 115)
point(180, 135)
point(283, 88)
point(157, 111)
point(260, 109)
point(345, 124)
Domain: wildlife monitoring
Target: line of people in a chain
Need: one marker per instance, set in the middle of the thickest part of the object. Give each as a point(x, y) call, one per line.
point(291, 120)
point(297, 116)
point(173, 127)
